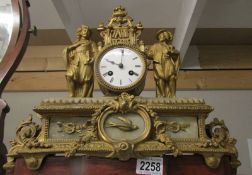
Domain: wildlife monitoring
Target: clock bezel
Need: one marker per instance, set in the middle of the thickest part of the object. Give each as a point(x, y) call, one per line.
point(105, 86)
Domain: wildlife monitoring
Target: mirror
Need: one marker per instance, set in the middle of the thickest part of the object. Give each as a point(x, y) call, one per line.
point(6, 26)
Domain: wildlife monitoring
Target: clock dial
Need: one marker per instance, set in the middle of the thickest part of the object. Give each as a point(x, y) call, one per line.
point(121, 67)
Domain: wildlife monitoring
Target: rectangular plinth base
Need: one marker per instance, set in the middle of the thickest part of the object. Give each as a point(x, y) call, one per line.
point(182, 165)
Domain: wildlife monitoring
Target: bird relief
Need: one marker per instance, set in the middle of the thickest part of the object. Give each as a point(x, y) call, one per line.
point(122, 123)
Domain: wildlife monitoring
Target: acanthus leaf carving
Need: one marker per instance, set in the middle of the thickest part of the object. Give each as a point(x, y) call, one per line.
point(218, 135)
point(27, 135)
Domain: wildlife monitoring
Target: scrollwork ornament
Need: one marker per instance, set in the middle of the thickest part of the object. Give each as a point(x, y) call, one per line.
point(161, 136)
point(219, 138)
point(120, 104)
point(218, 134)
point(27, 135)
point(86, 135)
point(124, 150)
point(176, 127)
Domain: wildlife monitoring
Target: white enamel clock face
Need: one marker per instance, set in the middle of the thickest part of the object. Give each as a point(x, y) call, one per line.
point(121, 67)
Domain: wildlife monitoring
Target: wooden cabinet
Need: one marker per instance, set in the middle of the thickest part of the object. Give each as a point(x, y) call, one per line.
point(182, 165)
point(195, 165)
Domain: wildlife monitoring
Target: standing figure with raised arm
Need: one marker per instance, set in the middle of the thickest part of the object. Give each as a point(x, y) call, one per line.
point(79, 59)
point(166, 64)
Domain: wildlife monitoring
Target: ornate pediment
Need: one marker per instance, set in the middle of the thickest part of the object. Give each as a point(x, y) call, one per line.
point(120, 29)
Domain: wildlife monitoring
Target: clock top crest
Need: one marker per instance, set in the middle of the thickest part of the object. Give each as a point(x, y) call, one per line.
point(120, 29)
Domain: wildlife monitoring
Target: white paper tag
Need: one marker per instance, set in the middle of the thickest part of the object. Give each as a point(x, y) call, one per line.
point(150, 166)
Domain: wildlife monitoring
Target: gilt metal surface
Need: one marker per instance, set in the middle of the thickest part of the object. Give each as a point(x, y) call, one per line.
point(122, 126)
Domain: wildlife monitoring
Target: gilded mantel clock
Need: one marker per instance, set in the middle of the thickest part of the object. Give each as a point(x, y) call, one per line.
point(122, 124)
point(120, 65)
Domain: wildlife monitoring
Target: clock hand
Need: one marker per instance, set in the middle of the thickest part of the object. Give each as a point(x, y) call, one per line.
point(122, 55)
point(110, 73)
point(121, 64)
point(135, 73)
point(105, 74)
point(112, 62)
point(131, 72)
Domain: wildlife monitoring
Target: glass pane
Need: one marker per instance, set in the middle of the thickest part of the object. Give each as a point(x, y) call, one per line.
point(6, 25)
